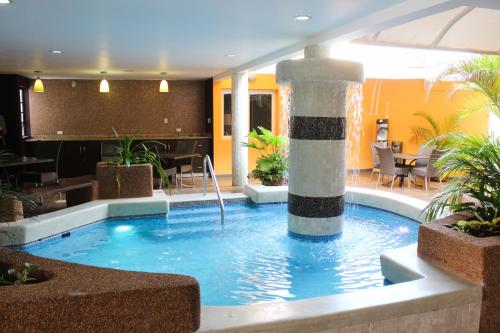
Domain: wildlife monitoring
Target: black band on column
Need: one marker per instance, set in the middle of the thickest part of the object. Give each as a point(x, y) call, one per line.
point(317, 128)
point(315, 206)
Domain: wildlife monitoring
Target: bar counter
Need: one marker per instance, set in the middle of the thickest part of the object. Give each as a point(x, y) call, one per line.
point(111, 137)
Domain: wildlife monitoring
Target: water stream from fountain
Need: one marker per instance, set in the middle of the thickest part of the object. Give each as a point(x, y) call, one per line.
point(354, 131)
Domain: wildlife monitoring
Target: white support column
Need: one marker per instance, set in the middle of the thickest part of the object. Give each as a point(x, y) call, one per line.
point(240, 123)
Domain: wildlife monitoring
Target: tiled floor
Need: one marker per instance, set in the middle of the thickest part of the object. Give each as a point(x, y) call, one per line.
point(360, 180)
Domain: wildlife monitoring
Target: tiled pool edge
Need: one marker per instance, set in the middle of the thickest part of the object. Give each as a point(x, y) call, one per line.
point(30, 230)
point(433, 302)
point(395, 203)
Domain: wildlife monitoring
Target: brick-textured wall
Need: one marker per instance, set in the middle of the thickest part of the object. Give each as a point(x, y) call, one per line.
point(131, 106)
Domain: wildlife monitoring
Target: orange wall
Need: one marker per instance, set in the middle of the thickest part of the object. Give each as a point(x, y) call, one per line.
point(222, 144)
point(398, 100)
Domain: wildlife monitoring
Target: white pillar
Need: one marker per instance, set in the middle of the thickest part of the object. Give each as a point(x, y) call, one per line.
point(316, 165)
point(240, 123)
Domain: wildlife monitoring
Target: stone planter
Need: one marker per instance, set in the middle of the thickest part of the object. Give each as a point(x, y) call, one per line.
point(259, 193)
point(80, 298)
point(475, 259)
point(13, 210)
point(123, 181)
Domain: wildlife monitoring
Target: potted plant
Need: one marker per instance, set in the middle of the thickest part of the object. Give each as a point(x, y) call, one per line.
point(272, 165)
point(11, 204)
point(25, 276)
point(467, 240)
point(131, 175)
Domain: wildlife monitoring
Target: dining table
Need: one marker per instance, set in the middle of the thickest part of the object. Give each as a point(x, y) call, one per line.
point(18, 162)
point(174, 156)
point(171, 159)
point(408, 157)
point(404, 157)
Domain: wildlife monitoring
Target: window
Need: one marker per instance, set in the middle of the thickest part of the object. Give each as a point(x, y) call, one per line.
point(23, 113)
point(261, 110)
point(227, 114)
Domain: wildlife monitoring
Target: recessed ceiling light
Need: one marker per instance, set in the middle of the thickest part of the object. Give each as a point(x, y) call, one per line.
point(302, 17)
point(56, 51)
point(230, 55)
point(4, 1)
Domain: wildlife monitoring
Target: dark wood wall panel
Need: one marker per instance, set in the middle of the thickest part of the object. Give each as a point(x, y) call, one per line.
point(130, 106)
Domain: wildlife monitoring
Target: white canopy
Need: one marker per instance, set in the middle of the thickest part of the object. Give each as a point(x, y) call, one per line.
point(466, 28)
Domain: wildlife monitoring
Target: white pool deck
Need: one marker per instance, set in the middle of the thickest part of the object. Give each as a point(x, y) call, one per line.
point(427, 299)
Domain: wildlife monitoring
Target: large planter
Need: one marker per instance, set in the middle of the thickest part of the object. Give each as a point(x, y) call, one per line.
point(124, 181)
point(12, 210)
point(473, 258)
point(81, 298)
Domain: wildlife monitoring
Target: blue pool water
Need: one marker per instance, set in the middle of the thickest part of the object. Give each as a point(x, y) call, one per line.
point(248, 260)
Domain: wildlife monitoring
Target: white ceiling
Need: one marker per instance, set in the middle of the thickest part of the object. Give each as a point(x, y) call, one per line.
point(187, 38)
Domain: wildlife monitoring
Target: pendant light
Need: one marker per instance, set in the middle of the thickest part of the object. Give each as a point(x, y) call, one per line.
point(38, 87)
point(163, 84)
point(104, 86)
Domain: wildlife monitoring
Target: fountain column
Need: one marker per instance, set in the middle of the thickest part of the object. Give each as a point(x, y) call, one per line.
point(240, 123)
point(317, 170)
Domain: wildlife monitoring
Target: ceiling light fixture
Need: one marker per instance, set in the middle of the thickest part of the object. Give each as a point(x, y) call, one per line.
point(230, 55)
point(302, 17)
point(163, 84)
point(38, 87)
point(4, 1)
point(104, 86)
point(56, 51)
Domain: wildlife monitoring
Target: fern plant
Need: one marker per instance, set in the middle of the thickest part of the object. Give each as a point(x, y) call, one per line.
point(435, 129)
point(272, 165)
point(474, 163)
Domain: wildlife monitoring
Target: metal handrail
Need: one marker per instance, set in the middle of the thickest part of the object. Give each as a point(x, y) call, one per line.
point(206, 160)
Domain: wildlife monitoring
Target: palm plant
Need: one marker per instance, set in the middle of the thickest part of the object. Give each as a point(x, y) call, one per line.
point(474, 161)
point(130, 153)
point(272, 165)
point(436, 130)
point(480, 75)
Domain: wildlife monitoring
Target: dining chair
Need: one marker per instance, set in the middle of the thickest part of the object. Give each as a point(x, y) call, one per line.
point(376, 160)
point(423, 150)
point(427, 172)
point(185, 147)
point(43, 177)
point(388, 166)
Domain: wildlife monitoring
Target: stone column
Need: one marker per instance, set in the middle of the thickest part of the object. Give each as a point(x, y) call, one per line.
point(317, 141)
point(240, 123)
